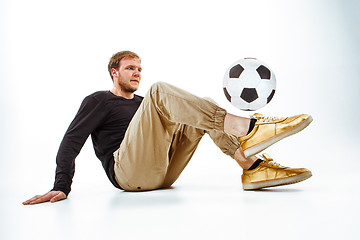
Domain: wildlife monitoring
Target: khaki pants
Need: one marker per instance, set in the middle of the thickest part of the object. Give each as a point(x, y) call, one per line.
point(164, 134)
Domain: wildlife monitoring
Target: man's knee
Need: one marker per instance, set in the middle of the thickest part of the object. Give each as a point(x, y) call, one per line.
point(158, 86)
point(211, 100)
point(157, 93)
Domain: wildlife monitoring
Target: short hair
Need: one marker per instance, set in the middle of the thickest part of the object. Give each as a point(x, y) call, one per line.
point(116, 58)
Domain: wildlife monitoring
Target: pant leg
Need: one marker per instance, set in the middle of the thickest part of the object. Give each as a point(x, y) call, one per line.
point(184, 144)
point(185, 141)
point(142, 161)
point(179, 106)
point(227, 143)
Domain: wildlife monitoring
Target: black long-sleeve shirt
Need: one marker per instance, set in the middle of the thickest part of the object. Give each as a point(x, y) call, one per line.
point(106, 117)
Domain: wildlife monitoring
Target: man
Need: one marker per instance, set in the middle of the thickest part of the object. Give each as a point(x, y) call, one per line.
point(145, 143)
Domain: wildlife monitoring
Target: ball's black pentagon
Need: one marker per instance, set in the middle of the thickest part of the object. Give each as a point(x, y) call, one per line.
point(271, 96)
point(235, 71)
point(249, 94)
point(263, 72)
point(228, 97)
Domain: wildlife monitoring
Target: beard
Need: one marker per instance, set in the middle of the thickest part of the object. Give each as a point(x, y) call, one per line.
point(127, 87)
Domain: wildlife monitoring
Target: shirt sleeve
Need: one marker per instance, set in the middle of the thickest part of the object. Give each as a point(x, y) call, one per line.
point(87, 119)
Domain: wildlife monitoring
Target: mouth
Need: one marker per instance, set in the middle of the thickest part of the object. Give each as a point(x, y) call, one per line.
point(135, 81)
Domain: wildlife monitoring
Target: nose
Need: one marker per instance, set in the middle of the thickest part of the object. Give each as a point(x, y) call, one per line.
point(137, 72)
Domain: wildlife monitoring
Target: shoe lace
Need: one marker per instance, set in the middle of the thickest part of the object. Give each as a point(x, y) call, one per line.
point(268, 160)
point(272, 163)
point(267, 118)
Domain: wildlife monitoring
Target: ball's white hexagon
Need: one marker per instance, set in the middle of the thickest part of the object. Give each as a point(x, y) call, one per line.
point(257, 104)
point(248, 76)
point(234, 87)
point(265, 88)
point(239, 103)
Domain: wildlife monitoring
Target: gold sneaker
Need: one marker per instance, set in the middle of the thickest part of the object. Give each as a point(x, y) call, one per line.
point(269, 130)
point(271, 174)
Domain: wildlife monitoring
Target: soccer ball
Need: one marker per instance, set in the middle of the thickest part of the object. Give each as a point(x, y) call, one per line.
point(249, 84)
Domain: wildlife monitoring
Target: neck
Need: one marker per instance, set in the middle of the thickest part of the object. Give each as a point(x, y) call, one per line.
point(122, 93)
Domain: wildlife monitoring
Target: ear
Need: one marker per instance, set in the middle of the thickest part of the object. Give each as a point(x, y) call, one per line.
point(114, 73)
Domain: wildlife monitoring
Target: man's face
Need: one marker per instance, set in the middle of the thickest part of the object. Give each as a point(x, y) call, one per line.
point(129, 74)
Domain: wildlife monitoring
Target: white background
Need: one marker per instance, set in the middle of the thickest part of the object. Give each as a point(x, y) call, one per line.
point(54, 53)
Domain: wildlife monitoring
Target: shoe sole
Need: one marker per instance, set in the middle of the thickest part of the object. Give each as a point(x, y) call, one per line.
point(277, 182)
point(262, 146)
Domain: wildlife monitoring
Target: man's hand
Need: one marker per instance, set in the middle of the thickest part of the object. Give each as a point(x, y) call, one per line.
point(52, 196)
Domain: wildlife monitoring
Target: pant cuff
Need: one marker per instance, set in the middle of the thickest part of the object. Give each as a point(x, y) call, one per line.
point(233, 146)
point(219, 119)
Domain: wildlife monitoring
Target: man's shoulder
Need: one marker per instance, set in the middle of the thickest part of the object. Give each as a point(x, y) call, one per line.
point(95, 98)
point(98, 96)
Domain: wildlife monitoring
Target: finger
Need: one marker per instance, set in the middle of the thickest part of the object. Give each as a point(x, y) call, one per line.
point(58, 197)
point(31, 199)
point(44, 198)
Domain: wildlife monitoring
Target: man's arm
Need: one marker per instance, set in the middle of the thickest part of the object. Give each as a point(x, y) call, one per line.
point(89, 116)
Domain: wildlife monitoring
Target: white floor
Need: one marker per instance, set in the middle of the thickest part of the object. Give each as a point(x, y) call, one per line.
point(206, 202)
point(49, 63)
